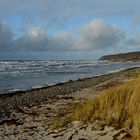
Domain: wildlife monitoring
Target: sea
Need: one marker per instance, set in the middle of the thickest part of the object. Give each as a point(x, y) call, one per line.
point(25, 75)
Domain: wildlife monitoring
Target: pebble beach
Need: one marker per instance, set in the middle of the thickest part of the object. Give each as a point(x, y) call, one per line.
point(29, 115)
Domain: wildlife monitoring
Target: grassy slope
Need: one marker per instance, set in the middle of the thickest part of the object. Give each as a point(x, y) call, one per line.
point(118, 106)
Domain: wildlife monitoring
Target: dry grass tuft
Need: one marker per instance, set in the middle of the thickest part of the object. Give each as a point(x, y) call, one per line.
point(118, 106)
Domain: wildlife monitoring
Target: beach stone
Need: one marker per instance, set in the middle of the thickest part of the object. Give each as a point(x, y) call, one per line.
point(122, 136)
point(107, 137)
point(76, 124)
point(29, 116)
point(12, 118)
point(117, 132)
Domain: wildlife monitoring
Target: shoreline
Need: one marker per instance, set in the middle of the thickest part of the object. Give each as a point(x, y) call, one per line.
point(45, 94)
point(42, 76)
point(35, 88)
point(34, 114)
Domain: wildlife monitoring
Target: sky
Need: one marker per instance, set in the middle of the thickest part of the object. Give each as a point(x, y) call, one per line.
point(68, 29)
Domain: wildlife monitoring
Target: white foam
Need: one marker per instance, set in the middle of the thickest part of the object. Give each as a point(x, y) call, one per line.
point(37, 87)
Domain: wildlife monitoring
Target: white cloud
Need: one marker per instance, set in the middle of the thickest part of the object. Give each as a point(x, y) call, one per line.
point(98, 35)
point(36, 39)
point(36, 32)
point(95, 36)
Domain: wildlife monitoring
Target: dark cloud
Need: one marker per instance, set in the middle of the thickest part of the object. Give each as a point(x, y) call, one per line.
point(97, 35)
point(93, 36)
point(36, 39)
point(60, 10)
point(134, 41)
point(136, 21)
point(5, 35)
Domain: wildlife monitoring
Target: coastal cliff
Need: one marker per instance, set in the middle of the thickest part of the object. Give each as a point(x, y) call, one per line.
point(131, 56)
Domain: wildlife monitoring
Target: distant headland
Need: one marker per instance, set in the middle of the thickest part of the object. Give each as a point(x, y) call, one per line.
point(130, 56)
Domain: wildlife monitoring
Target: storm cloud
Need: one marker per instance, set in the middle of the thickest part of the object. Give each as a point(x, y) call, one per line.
point(40, 28)
point(97, 35)
point(58, 11)
point(36, 39)
point(5, 35)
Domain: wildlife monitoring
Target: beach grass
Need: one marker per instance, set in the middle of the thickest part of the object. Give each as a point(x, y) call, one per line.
point(118, 106)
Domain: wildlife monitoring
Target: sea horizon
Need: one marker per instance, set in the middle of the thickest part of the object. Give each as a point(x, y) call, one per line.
point(18, 75)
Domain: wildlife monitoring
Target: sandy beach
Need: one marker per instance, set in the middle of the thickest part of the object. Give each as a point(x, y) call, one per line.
point(30, 114)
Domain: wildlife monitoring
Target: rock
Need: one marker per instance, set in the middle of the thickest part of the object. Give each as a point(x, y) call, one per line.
point(122, 136)
point(97, 126)
point(106, 137)
point(76, 124)
point(117, 132)
point(12, 118)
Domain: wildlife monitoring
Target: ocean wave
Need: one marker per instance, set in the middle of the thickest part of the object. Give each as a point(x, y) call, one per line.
point(27, 74)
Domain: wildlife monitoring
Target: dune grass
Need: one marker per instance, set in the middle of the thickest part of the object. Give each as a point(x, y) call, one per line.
point(118, 106)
